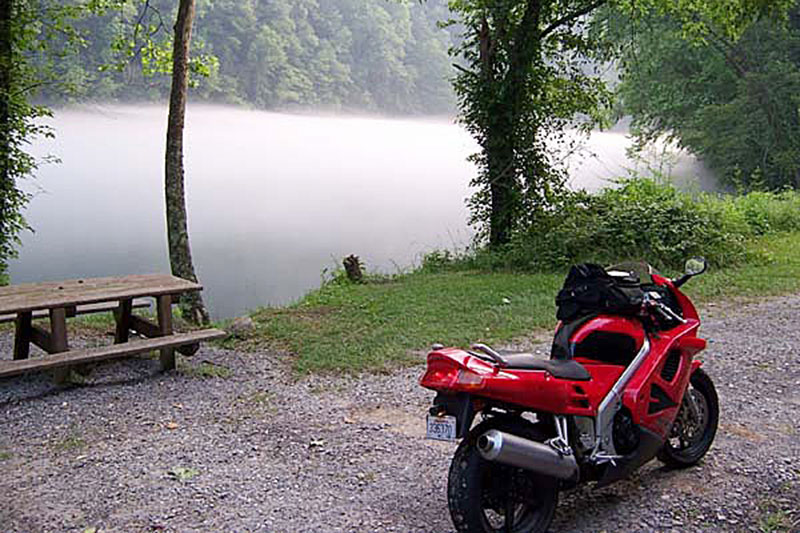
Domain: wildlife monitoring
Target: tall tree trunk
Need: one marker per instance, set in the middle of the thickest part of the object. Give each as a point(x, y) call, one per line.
point(499, 153)
point(6, 65)
point(504, 176)
point(180, 255)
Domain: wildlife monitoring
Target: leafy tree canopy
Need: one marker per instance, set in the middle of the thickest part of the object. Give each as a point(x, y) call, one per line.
point(526, 80)
point(733, 102)
point(377, 55)
point(35, 35)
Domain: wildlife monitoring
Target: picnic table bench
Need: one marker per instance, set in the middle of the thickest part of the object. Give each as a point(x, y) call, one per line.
point(58, 300)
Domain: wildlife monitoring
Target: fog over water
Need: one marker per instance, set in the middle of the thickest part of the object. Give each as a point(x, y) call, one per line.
point(273, 199)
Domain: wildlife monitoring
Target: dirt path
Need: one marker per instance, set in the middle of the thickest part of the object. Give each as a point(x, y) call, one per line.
point(235, 445)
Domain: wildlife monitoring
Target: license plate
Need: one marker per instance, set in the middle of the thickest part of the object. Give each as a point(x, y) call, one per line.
point(441, 428)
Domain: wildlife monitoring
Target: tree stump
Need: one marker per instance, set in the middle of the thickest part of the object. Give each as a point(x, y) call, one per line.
point(352, 267)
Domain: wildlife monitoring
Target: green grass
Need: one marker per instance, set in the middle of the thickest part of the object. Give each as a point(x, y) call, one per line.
point(354, 327)
point(775, 522)
point(350, 328)
point(204, 370)
point(780, 275)
point(101, 323)
point(73, 441)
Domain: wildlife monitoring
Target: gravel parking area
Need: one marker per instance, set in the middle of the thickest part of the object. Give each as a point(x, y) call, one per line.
point(232, 442)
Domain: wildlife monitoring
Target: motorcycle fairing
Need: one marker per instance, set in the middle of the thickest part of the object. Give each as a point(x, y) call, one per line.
point(653, 400)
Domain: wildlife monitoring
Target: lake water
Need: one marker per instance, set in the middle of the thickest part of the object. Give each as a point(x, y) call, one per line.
point(273, 199)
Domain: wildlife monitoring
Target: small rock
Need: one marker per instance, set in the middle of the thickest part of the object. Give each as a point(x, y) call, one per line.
point(241, 326)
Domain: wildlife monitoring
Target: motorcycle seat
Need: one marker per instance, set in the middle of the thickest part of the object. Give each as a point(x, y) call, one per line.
point(558, 368)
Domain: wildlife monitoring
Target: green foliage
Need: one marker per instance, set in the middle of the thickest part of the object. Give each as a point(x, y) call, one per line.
point(368, 54)
point(639, 220)
point(699, 17)
point(182, 473)
point(524, 81)
point(128, 41)
point(205, 370)
point(735, 103)
point(35, 36)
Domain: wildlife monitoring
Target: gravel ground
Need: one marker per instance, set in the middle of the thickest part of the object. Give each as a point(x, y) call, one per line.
point(231, 442)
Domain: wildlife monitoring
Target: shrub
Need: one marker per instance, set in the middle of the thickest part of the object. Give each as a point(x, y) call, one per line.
point(770, 212)
point(638, 220)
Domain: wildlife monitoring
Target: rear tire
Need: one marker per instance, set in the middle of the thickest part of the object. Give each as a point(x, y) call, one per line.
point(481, 494)
point(691, 436)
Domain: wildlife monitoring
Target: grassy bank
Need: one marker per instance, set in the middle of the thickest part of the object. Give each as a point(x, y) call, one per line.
point(345, 327)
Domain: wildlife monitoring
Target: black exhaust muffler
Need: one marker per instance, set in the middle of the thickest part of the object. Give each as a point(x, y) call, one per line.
point(525, 453)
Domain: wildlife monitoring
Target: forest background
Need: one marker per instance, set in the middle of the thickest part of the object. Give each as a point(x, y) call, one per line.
point(337, 55)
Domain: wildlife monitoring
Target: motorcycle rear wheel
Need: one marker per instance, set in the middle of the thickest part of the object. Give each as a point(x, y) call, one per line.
point(489, 497)
point(691, 436)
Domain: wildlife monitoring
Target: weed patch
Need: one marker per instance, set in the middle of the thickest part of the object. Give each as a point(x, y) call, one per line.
point(71, 442)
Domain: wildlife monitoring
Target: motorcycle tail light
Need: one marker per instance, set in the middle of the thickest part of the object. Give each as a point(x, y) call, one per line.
point(439, 377)
point(446, 373)
point(467, 379)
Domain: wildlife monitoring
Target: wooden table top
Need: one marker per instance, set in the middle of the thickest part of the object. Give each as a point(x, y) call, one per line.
point(54, 294)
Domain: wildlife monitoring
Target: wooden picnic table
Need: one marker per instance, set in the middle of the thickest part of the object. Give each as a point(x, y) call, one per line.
point(59, 300)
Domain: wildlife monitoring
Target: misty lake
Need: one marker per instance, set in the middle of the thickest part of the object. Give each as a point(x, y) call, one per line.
point(273, 199)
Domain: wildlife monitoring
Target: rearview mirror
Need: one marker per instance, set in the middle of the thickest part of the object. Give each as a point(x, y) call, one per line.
point(696, 265)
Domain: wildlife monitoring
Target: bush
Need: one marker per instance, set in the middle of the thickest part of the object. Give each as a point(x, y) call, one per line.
point(769, 212)
point(639, 220)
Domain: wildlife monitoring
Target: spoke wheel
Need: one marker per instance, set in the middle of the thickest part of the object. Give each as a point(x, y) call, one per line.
point(695, 426)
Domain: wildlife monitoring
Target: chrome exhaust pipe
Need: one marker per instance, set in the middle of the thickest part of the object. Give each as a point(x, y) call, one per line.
point(528, 454)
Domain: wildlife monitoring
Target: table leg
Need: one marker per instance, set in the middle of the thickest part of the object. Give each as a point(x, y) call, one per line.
point(122, 315)
point(22, 335)
point(58, 337)
point(164, 310)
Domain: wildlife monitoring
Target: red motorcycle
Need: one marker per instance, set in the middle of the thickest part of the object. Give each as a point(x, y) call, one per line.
point(620, 388)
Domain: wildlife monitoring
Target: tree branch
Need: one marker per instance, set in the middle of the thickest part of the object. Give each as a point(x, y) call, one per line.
point(26, 89)
point(572, 16)
point(139, 22)
point(729, 53)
